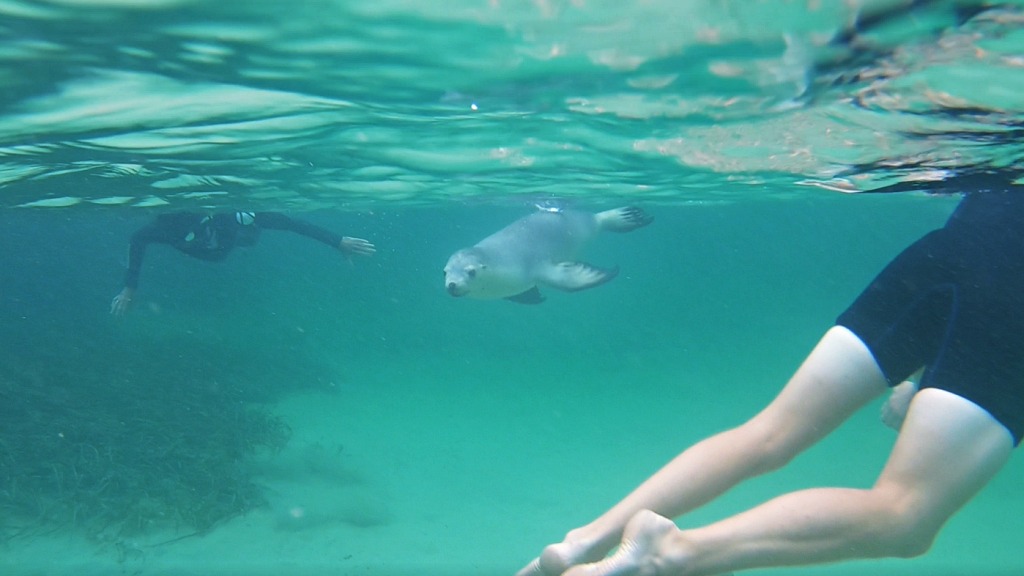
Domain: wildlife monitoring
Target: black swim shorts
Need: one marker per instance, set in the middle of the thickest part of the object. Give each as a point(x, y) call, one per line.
point(953, 302)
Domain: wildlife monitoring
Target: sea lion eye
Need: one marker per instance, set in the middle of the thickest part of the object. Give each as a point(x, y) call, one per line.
point(471, 272)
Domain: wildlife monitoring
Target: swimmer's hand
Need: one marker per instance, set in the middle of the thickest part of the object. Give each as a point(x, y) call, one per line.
point(356, 247)
point(895, 408)
point(122, 302)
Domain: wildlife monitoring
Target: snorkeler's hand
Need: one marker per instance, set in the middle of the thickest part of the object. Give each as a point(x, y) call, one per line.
point(350, 246)
point(895, 408)
point(122, 302)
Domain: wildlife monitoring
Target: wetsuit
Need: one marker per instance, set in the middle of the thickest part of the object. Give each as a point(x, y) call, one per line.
point(213, 236)
point(953, 302)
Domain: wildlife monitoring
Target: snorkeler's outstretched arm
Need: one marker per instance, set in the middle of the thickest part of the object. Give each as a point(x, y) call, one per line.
point(159, 230)
point(348, 245)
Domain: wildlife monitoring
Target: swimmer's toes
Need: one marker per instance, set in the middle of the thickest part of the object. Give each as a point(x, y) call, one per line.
point(531, 569)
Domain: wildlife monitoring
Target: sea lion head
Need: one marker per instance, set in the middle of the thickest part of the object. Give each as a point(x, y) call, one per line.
point(461, 271)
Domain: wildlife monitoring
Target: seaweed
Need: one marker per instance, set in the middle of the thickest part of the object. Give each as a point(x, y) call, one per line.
point(114, 456)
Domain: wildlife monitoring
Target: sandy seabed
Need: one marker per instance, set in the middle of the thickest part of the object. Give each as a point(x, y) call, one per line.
point(395, 479)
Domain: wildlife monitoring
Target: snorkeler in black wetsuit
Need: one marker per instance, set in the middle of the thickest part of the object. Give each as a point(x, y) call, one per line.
point(212, 237)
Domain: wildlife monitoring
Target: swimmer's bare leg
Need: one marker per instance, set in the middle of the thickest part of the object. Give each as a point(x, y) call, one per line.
point(948, 449)
point(838, 377)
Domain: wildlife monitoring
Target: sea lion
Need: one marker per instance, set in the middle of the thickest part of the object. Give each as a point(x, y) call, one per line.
point(537, 250)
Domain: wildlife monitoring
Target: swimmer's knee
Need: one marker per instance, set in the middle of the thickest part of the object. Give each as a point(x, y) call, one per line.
point(910, 538)
point(774, 446)
point(775, 455)
point(906, 528)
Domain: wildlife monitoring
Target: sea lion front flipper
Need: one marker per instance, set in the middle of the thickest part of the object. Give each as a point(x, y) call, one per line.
point(576, 276)
point(531, 296)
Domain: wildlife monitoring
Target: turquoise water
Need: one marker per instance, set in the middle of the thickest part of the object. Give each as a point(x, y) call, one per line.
point(287, 411)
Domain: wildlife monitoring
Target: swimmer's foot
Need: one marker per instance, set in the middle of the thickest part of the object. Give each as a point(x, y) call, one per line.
point(557, 558)
point(642, 552)
point(649, 548)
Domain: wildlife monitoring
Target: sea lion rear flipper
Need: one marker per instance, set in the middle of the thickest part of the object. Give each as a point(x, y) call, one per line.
point(625, 219)
point(531, 296)
point(576, 276)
